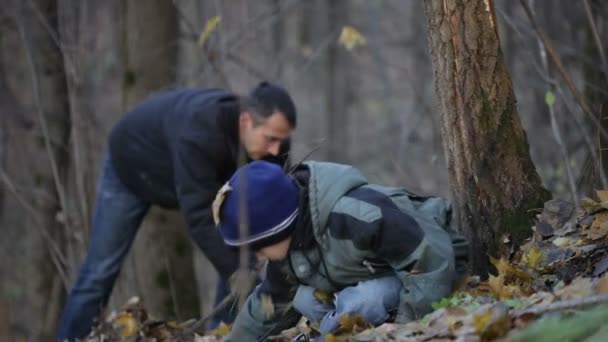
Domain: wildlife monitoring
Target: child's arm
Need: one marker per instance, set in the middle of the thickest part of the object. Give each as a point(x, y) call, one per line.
point(268, 309)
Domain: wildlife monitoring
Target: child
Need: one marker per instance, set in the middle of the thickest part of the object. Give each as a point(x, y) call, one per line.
point(375, 252)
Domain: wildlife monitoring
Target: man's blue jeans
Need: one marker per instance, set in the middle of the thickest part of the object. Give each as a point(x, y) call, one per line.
point(374, 300)
point(117, 216)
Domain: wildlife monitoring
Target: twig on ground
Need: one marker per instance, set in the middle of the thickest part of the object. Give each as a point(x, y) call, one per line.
point(569, 304)
point(194, 327)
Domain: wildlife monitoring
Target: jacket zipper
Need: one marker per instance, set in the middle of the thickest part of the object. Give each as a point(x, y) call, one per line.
point(369, 266)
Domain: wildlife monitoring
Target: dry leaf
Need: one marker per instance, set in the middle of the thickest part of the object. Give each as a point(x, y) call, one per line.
point(579, 287)
point(601, 287)
point(532, 257)
point(222, 329)
point(602, 195)
point(127, 324)
point(350, 38)
point(480, 320)
point(507, 269)
point(210, 26)
point(323, 297)
point(350, 323)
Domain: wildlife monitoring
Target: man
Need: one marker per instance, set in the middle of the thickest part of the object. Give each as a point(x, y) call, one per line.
point(336, 246)
point(174, 150)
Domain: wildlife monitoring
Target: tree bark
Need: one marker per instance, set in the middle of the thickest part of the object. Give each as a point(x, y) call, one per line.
point(494, 182)
point(159, 268)
point(37, 184)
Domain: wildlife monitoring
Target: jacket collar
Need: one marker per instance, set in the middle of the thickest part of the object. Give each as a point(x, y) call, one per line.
point(328, 183)
point(228, 123)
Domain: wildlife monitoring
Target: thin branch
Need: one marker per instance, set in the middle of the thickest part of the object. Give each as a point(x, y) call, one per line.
point(554, 127)
point(59, 188)
point(561, 69)
point(586, 137)
point(551, 81)
point(172, 289)
point(570, 304)
point(323, 45)
point(57, 256)
point(241, 288)
point(596, 37)
point(196, 326)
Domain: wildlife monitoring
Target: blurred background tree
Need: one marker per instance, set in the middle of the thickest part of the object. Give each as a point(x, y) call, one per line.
point(360, 72)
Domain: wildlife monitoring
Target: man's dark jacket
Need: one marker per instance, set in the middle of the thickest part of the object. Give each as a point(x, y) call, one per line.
point(175, 150)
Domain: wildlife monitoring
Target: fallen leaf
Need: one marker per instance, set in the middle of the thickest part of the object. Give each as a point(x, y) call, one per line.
point(601, 287)
point(561, 242)
point(480, 320)
point(222, 329)
point(126, 324)
point(323, 297)
point(498, 324)
point(579, 287)
point(532, 257)
point(602, 195)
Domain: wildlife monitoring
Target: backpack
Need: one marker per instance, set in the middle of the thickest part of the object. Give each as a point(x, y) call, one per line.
point(438, 209)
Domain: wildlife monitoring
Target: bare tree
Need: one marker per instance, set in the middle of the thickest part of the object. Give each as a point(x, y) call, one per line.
point(160, 266)
point(494, 182)
point(44, 201)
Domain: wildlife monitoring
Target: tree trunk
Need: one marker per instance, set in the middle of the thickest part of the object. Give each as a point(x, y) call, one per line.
point(494, 182)
point(35, 170)
point(159, 267)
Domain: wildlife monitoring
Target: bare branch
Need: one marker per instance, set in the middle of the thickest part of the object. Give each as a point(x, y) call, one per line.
point(554, 128)
point(561, 69)
point(59, 188)
point(57, 256)
point(596, 37)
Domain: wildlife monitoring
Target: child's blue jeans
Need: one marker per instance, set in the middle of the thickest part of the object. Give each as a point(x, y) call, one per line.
point(374, 300)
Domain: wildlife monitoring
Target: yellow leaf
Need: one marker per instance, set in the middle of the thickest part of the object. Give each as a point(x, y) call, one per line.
point(267, 305)
point(331, 338)
point(533, 257)
point(222, 329)
point(561, 242)
point(496, 285)
point(323, 297)
point(507, 269)
point(350, 323)
point(127, 324)
point(350, 38)
point(209, 28)
point(480, 320)
point(601, 287)
point(602, 195)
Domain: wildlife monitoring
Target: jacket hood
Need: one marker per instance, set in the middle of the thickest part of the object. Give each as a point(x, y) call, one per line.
point(328, 182)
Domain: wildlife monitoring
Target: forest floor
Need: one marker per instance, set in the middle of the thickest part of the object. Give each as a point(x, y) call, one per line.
point(553, 288)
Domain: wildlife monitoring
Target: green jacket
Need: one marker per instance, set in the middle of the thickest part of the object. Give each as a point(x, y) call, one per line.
point(361, 231)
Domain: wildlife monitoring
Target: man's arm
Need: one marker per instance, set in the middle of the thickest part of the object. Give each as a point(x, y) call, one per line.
point(196, 183)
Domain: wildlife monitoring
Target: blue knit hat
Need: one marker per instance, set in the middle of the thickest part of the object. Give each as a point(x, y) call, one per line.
point(271, 200)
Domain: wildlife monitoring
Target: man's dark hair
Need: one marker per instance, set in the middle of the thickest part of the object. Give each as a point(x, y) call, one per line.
point(267, 98)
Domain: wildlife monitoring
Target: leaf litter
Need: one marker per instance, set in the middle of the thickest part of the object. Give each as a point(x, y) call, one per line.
point(553, 288)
